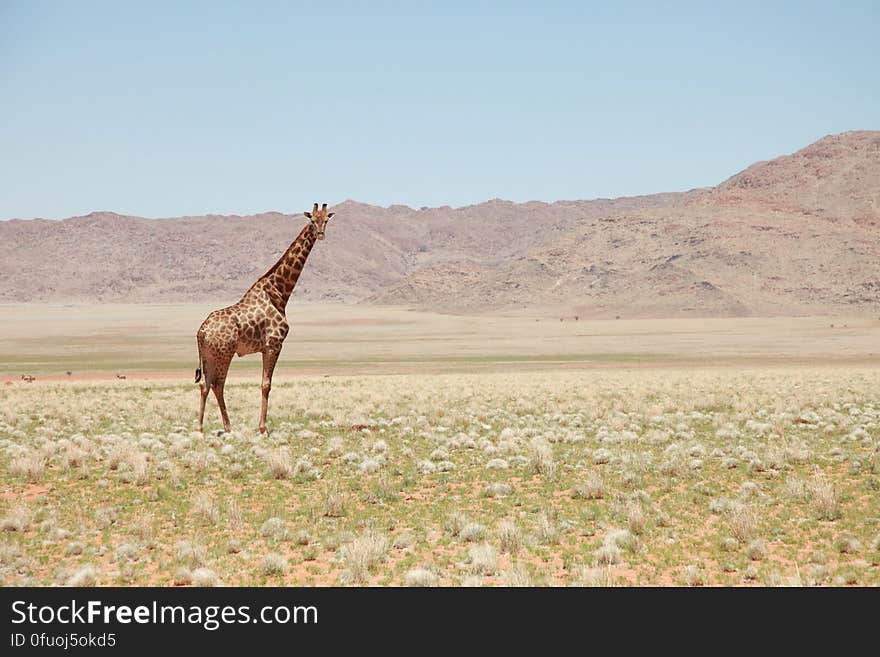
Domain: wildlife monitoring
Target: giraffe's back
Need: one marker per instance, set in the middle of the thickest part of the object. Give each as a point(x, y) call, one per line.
point(218, 334)
point(245, 327)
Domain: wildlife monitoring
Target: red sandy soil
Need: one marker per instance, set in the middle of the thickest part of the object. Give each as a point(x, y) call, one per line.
point(29, 492)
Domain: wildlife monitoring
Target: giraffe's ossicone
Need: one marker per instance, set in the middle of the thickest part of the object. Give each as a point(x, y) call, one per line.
point(257, 323)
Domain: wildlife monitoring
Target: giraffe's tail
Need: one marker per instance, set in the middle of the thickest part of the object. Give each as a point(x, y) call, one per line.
point(201, 364)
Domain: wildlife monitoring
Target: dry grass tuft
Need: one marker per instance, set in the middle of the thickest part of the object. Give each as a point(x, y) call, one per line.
point(273, 528)
point(420, 577)
point(693, 576)
point(30, 466)
point(273, 564)
point(510, 538)
point(279, 463)
point(334, 503)
point(362, 554)
point(635, 517)
point(189, 555)
point(743, 521)
point(516, 576)
point(823, 498)
point(84, 576)
point(205, 509)
point(182, 577)
point(591, 488)
point(205, 577)
point(548, 531)
point(482, 559)
point(595, 577)
point(17, 520)
point(455, 522)
point(472, 532)
point(757, 549)
point(541, 458)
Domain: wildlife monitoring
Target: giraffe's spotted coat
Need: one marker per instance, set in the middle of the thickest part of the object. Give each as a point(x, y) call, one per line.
point(257, 323)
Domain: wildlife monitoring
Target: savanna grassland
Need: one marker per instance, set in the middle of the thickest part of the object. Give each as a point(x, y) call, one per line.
point(408, 449)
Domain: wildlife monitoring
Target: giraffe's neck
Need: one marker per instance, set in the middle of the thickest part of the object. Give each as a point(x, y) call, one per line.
point(285, 273)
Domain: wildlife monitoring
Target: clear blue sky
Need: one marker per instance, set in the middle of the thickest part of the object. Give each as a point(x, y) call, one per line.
point(163, 109)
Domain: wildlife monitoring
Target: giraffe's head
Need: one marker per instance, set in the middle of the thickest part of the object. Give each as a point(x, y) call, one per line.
point(320, 219)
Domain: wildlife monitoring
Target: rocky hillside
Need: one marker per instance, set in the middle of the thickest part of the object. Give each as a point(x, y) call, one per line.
point(107, 257)
point(798, 234)
point(836, 177)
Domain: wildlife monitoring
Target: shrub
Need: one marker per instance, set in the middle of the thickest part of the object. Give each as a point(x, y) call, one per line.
point(182, 577)
point(848, 545)
point(420, 577)
point(591, 488)
point(85, 576)
point(516, 576)
point(274, 529)
point(455, 522)
point(205, 509)
point(541, 459)
point(635, 517)
point(279, 463)
point(17, 520)
point(496, 489)
point(757, 549)
point(362, 554)
point(30, 465)
point(483, 559)
point(189, 555)
point(510, 539)
point(273, 564)
point(548, 532)
point(693, 576)
point(205, 577)
point(743, 521)
point(472, 532)
point(823, 499)
point(334, 503)
point(608, 555)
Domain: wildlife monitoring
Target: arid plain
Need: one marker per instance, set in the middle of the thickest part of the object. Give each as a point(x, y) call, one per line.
point(414, 448)
point(670, 389)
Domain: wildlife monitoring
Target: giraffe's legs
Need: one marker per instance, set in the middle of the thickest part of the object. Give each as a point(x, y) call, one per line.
point(218, 382)
point(270, 357)
point(218, 393)
point(203, 391)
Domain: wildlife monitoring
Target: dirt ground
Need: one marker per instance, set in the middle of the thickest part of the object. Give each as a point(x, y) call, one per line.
point(100, 341)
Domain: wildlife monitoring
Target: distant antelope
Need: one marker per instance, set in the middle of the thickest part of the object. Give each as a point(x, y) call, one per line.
point(28, 378)
point(120, 376)
point(69, 372)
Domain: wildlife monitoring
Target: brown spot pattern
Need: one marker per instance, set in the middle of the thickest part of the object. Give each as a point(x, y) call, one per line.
point(257, 323)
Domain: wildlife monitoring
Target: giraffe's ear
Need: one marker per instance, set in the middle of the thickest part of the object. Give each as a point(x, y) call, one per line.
point(330, 214)
point(308, 214)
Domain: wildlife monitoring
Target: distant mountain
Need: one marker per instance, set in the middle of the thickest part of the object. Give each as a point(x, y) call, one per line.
point(109, 257)
point(798, 234)
point(837, 177)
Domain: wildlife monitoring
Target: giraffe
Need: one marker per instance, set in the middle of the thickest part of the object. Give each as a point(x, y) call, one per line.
point(256, 323)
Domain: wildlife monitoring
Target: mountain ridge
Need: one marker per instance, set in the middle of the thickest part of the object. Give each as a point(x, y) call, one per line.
point(798, 234)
